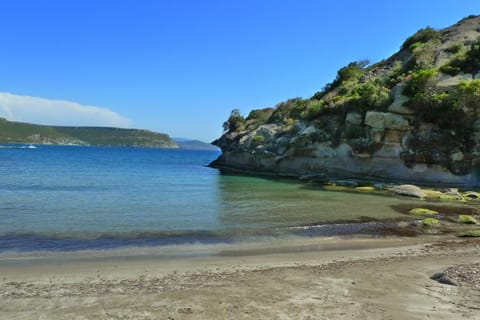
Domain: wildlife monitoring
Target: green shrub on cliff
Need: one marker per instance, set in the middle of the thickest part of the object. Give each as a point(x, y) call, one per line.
point(422, 81)
point(421, 36)
point(258, 140)
point(352, 71)
point(235, 123)
point(468, 95)
point(467, 61)
point(454, 48)
point(260, 114)
point(284, 110)
point(257, 117)
point(423, 54)
point(314, 109)
point(434, 105)
point(371, 95)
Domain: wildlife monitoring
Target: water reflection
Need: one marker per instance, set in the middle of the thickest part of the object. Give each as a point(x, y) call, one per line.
point(261, 205)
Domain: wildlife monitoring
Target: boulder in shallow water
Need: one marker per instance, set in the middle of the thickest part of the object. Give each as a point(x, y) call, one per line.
point(408, 190)
point(452, 194)
point(430, 222)
point(422, 212)
point(472, 195)
point(465, 218)
point(475, 233)
point(365, 188)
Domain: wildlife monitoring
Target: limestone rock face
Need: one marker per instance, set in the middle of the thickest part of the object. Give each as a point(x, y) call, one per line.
point(375, 119)
point(354, 118)
point(386, 120)
point(398, 104)
point(384, 148)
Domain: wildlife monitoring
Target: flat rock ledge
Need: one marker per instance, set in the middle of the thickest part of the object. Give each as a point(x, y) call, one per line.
point(461, 275)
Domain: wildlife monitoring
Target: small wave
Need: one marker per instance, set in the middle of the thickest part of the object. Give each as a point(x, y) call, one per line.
point(31, 146)
point(341, 229)
point(89, 241)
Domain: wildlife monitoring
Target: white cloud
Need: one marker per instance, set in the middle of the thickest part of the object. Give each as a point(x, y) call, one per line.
point(57, 112)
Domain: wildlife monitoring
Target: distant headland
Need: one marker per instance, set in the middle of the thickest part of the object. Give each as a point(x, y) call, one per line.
point(26, 133)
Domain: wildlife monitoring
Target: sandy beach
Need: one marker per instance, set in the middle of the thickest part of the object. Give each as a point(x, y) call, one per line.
point(385, 278)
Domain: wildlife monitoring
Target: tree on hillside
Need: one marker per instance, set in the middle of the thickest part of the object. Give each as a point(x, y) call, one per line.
point(236, 122)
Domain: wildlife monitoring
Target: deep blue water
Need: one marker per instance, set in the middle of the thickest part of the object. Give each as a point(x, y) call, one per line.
point(60, 198)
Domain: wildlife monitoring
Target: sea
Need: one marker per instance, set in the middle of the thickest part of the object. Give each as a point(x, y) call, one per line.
point(70, 198)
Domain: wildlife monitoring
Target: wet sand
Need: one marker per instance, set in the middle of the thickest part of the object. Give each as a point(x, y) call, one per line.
point(384, 278)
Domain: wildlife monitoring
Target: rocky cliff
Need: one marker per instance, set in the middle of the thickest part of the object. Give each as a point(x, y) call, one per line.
point(413, 117)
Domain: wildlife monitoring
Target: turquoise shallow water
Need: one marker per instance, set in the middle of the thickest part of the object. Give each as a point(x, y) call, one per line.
point(76, 198)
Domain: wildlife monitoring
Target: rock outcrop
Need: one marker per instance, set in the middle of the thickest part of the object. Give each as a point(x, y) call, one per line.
point(406, 119)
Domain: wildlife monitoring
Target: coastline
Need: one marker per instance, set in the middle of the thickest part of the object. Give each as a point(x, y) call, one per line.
point(334, 278)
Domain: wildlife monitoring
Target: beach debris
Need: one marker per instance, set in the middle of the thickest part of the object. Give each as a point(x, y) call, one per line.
point(460, 275)
point(186, 310)
point(440, 277)
point(465, 218)
point(422, 212)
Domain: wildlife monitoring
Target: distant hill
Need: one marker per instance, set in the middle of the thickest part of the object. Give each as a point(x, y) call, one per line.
point(194, 145)
point(19, 132)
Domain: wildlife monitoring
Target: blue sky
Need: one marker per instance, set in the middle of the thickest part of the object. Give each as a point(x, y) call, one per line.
point(181, 66)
